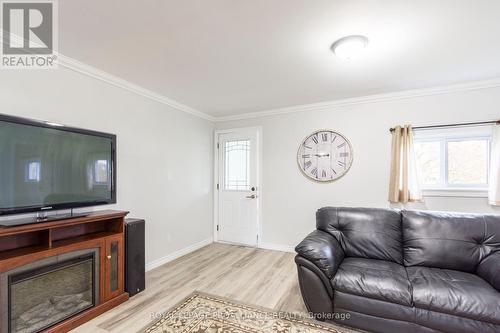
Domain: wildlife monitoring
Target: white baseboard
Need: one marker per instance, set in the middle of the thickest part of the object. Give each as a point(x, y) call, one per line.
point(277, 247)
point(177, 254)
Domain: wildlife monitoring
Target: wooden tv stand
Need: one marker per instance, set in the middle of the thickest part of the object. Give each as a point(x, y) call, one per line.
point(21, 245)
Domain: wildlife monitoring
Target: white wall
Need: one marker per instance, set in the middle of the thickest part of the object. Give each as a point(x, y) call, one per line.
point(290, 200)
point(164, 155)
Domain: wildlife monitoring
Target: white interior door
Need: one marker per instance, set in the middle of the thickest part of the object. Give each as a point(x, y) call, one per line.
point(238, 191)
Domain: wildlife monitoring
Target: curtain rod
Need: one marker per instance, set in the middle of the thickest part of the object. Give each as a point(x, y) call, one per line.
point(491, 122)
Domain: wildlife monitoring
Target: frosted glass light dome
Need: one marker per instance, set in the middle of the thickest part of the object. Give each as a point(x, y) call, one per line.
point(350, 46)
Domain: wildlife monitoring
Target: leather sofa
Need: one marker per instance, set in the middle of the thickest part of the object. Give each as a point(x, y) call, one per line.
point(385, 270)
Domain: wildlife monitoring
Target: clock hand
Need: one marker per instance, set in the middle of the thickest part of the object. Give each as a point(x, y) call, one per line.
point(322, 154)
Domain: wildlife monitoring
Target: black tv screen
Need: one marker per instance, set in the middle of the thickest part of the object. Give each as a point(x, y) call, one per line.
point(46, 166)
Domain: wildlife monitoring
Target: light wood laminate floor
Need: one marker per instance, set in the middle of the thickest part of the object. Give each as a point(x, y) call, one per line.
point(254, 276)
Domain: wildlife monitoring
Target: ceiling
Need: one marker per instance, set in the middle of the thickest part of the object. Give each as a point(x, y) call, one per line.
point(227, 57)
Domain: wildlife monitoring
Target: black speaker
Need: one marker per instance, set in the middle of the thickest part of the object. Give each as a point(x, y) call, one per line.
point(135, 261)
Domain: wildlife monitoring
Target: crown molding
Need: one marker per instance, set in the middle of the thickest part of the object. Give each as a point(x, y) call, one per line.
point(475, 85)
point(82, 68)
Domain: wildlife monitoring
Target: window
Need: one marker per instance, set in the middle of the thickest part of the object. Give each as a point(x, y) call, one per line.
point(468, 162)
point(453, 160)
point(236, 165)
point(33, 171)
point(101, 172)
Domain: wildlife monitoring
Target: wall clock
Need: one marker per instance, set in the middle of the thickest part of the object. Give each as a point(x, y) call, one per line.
point(325, 156)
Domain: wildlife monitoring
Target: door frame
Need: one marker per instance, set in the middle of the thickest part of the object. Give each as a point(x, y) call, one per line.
point(258, 182)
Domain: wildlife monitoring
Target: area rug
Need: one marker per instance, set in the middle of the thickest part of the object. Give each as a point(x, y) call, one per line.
point(204, 313)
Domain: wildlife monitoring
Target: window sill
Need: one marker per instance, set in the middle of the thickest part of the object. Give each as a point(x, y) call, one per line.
point(456, 192)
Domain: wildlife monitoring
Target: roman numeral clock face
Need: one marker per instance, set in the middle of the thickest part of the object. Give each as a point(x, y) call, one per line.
point(325, 156)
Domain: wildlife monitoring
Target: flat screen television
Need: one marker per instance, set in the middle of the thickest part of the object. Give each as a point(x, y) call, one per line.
point(47, 166)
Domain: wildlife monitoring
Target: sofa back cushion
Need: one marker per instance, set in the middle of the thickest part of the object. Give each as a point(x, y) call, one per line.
point(449, 240)
point(364, 232)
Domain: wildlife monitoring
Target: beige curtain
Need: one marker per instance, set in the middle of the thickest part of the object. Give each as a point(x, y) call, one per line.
point(403, 186)
point(494, 191)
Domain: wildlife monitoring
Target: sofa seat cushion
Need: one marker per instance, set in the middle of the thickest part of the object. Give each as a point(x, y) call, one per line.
point(377, 279)
point(454, 292)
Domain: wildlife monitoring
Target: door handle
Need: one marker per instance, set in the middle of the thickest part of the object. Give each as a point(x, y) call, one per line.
point(253, 196)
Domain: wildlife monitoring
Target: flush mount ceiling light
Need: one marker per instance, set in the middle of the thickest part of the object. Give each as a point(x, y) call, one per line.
point(350, 46)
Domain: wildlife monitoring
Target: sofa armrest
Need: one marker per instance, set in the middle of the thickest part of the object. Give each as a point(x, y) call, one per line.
point(323, 250)
point(489, 269)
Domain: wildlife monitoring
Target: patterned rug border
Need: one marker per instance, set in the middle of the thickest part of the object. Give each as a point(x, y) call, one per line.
point(296, 318)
